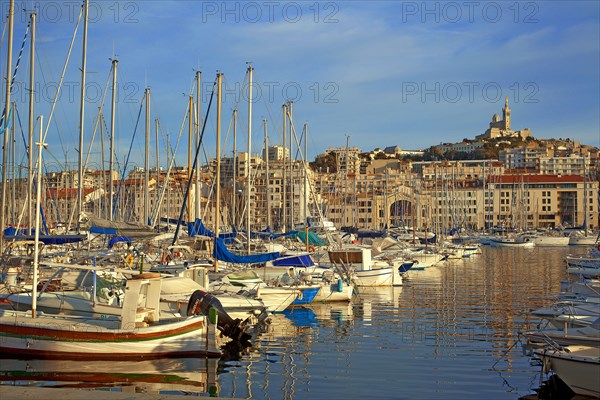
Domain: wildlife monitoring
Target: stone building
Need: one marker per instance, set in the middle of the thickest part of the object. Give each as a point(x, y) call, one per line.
point(501, 127)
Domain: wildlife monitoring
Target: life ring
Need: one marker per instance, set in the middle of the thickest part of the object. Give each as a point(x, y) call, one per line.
point(129, 260)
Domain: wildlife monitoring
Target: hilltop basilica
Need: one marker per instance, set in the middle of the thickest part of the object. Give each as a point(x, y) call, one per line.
point(501, 127)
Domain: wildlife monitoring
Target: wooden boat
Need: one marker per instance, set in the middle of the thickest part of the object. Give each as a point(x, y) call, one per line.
point(577, 366)
point(137, 333)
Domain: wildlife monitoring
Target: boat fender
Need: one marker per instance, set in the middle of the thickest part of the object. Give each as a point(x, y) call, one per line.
point(213, 316)
point(598, 247)
point(311, 249)
point(340, 285)
point(129, 260)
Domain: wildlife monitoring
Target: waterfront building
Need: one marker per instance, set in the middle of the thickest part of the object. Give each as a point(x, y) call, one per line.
point(438, 195)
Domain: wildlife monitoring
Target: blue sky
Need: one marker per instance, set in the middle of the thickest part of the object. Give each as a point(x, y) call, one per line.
point(412, 74)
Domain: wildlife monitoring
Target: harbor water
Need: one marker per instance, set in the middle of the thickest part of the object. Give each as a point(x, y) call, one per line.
point(451, 331)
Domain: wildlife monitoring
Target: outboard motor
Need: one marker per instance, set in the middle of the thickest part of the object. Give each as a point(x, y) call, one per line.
point(200, 302)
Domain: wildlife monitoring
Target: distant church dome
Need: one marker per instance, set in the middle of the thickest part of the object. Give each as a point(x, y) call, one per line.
point(495, 118)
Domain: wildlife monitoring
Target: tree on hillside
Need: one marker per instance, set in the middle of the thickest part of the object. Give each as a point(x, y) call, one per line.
point(323, 162)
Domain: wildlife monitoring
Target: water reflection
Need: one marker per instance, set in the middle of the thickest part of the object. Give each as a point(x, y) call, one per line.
point(451, 331)
point(162, 376)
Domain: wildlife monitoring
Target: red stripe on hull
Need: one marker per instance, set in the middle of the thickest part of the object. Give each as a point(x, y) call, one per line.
point(94, 336)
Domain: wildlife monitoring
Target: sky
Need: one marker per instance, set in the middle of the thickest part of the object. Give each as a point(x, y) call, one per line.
point(368, 73)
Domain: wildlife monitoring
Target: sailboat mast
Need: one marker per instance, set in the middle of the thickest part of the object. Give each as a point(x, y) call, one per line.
point(31, 112)
point(167, 181)
point(218, 156)
point(267, 174)
point(585, 200)
point(147, 161)
point(345, 172)
point(112, 139)
point(283, 165)
point(248, 163)
point(11, 13)
point(190, 145)
point(82, 115)
point(306, 183)
point(37, 223)
point(13, 158)
point(290, 106)
point(235, 169)
point(198, 125)
point(386, 214)
point(157, 157)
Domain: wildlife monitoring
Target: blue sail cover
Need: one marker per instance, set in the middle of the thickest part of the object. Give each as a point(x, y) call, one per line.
point(297, 260)
point(432, 239)
point(278, 235)
point(264, 234)
point(366, 234)
point(268, 234)
point(313, 239)
point(198, 228)
point(103, 231)
point(221, 252)
point(14, 234)
point(118, 239)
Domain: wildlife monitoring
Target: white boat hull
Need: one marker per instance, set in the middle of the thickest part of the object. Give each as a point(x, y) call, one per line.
point(425, 260)
point(579, 368)
point(333, 292)
point(551, 241)
point(582, 240)
point(511, 243)
point(375, 277)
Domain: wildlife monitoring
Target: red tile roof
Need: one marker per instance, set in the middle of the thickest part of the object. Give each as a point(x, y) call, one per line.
point(538, 178)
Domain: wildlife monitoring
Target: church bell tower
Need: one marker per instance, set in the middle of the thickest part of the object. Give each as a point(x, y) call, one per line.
point(506, 115)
